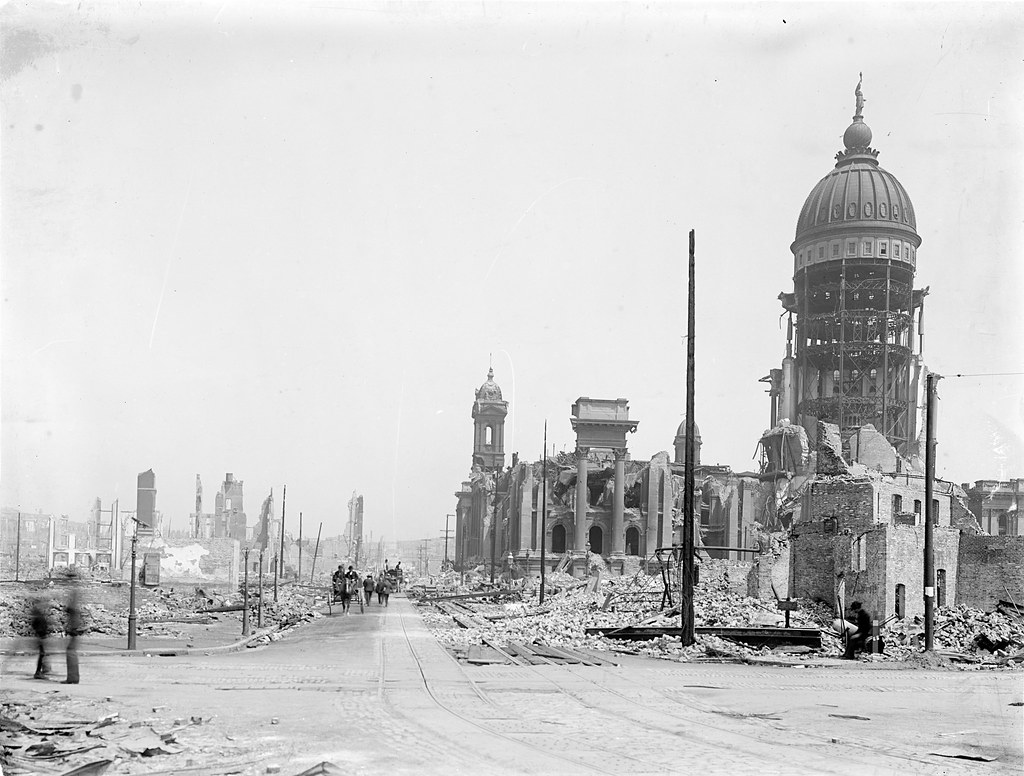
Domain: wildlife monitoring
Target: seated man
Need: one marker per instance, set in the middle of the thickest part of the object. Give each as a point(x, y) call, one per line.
point(858, 639)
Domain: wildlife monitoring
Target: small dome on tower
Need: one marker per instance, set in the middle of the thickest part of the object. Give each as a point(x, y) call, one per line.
point(681, 431)
point(489, 391)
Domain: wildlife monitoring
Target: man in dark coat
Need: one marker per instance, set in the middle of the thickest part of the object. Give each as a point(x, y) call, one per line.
point(74, 628)
point(39, 620)
point(857, 641)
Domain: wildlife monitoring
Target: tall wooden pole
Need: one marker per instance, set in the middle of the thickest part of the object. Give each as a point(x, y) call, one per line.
point(259, 603)
point(245, 596)
point(17, 552)
point(298, 575)
point(929, 514)
point(544, 514)
point(316, 549)
point(279, 566)
point(686, 602)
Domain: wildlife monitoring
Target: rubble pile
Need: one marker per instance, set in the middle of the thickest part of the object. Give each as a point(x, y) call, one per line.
point(160, 612)
point(614, 602)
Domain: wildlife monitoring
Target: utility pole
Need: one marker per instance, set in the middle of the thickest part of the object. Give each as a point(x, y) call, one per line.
point(298, 575)
point(259, 603)
point(494, 528)
point(446, 535)
point(279, 566)
point(17, 552)
point(929, 514)
point(544, 514)
point(316, 549)
point(686, 602)
point(245, 596)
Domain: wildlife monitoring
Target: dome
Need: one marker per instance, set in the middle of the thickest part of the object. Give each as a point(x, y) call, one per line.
point(858, 194)
point(489, 391)
point(681, 431)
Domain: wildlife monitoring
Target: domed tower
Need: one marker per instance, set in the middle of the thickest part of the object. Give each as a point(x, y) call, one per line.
point(854, 303)
point(489, 413)
point(680, 444)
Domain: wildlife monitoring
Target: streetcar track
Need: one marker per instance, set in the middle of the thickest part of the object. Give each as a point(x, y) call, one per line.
point(485, 728)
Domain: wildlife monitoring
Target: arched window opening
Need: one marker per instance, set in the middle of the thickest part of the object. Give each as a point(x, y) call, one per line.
point(558, 538)
point(596, 537)
point(632, 540)
point(489, 435)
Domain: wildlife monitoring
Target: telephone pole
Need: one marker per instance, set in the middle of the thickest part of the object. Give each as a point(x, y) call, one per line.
point(929, 513)
point(686, 603)
point(447, 533)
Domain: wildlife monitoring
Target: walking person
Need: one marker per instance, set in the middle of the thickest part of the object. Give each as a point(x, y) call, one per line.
point(368, 587)
point(379, 587)
point(39, 620)
point(73, 627)
point(387, 585)
point(350, 582)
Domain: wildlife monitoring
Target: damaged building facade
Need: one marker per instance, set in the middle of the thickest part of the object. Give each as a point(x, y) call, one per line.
point(842, 464)
point(837, 509)
point(598, 498)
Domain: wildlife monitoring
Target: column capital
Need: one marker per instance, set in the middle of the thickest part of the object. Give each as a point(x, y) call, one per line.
point(621, 453)
point(582, 451)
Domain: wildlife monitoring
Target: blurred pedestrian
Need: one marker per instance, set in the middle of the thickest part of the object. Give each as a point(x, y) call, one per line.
point(386, 587)
point(39, 620)
point(368, 587)
point(379, 587)
point(73, 627)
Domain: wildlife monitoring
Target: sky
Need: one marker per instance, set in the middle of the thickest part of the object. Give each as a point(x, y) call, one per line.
point(287, 240)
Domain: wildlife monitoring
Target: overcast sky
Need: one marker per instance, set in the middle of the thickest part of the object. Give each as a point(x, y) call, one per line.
point(282, 240)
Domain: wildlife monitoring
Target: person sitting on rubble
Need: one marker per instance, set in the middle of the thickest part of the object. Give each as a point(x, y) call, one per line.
point(858, 639)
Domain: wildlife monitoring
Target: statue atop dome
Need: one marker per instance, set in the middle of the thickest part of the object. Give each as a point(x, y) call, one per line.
point(860, 99)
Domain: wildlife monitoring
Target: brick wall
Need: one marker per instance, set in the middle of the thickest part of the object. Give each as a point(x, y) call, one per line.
point(906, 567)
point(187, 561)
point(991, 569)
point(850, 502)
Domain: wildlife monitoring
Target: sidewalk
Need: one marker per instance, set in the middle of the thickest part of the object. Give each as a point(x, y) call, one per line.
point(224, 635)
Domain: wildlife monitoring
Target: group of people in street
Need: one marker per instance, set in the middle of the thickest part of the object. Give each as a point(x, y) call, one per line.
point(348, 583)
point(39, 620)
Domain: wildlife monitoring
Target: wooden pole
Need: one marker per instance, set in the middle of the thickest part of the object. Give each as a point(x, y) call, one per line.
point(279, 566)
point(929, 516)
point(686, 604)
point(298, 575)
point(544, 514)
point(245, 596)
point(17, 552)
point(259, 604)
point(316, 549)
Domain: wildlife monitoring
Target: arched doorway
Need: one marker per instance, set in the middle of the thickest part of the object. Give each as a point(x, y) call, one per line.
point(596, 539)
point(632, 540)
point(558, 538)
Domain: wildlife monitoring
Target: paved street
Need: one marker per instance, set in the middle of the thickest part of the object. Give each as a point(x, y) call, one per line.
point(375, 694)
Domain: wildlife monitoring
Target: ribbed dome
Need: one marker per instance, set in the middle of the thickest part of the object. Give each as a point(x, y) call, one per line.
point(681, 431)
point(489, 391)
point(857, 194)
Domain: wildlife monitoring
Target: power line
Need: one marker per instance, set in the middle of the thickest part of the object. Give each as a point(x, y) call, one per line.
point(988, 374)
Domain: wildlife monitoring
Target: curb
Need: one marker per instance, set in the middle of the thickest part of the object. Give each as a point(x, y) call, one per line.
point(162, 652)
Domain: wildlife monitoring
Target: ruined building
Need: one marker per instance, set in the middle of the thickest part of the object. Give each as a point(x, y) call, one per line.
point(599, 499)
point(842, 465)
point(228, 519)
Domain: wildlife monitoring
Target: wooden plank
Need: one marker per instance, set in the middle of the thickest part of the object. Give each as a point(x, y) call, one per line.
point(500, 651)
point(553, 653)
point(528, 654)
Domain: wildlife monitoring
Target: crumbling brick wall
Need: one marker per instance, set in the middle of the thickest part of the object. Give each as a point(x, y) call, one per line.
point(990, 569)
point(906, 567)
point(821, 556)
point(850, 502)
point(185, 561)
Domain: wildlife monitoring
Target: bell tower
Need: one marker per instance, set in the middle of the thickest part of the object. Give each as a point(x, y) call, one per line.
point(489, 411)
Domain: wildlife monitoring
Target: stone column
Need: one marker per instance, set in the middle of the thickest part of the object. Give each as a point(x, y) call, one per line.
point(580, 533)
point(619, 503)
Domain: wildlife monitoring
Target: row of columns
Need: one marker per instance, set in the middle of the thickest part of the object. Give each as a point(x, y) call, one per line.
point(618, 502)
